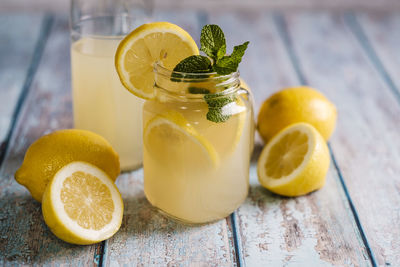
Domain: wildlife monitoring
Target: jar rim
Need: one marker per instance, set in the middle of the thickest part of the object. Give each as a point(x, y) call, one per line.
point(230, 81)
point(190, 76)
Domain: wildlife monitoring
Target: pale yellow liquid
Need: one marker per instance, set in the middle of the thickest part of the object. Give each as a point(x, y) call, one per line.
point(101, 104)
point(184, 185)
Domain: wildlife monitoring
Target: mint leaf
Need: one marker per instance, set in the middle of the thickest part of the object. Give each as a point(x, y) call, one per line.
point(215, 115)
point(198, 90)
point(215, 104)
point(212, 41)
point(229, 64)
point(238, 51)
point(194, 64)
point(226, 65)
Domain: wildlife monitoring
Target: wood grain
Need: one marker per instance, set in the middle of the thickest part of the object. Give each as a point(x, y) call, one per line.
point(146, 237)
point(366, 143)
point(17, 47)
point(25, 239)
point(314, 230)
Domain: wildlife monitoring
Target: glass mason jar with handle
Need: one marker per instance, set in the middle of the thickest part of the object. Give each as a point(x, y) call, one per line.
point(198, 137)
point(100, 103)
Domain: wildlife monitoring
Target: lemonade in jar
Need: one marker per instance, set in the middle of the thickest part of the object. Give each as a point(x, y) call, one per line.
point(198, 121)
point(197, 170)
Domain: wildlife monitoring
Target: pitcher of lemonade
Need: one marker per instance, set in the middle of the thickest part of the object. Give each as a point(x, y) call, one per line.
point(100, 103)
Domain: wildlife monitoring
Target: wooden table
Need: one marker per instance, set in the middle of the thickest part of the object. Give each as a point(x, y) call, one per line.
point(353, 58)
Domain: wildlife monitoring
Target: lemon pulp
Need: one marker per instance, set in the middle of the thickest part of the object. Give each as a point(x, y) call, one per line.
point(87, 200)
point(286, 155)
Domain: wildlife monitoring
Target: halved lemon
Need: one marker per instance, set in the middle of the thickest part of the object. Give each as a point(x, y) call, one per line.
point(82, 205)
point(295, 161)
point(161, 42)
point(173, 140)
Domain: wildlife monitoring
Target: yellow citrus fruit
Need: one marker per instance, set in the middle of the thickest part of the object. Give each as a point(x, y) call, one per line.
point(295, 161)
point(158, 42)
point(51, 152)
point(82, 205)
point(297, 104)
point(170, 135)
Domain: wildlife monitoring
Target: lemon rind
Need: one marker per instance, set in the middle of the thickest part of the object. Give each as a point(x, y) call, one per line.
point(66, 228)
point(139, 33)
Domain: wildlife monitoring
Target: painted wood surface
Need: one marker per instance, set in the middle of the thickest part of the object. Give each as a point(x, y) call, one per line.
point(380, 35)
point(325, 228)
point(25, 239)
point(146, 237)
point(63, 6)
point(366, 144)
point(314, 230)
point(17, 49)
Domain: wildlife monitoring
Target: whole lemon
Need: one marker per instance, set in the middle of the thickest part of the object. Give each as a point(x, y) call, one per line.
point(293, 105)
point(51, 152)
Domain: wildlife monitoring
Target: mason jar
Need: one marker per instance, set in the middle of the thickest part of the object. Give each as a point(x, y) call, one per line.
point(198, 137)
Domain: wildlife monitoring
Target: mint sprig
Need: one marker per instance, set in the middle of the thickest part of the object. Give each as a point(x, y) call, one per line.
point(215, 104)
point(213, 44)
point(229, 64)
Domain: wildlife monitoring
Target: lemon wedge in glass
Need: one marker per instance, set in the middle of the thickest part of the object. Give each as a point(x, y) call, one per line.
point(82, 205)
point(172, 140)
point(158, 42)
point(295, 161)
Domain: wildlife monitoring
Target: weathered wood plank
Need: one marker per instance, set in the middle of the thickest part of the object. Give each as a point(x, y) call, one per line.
point(17, 47)
point(382, 43)
point(314, 230)
point(146, 237)
point(60, 5)
point(25, 239)
point(366, 142)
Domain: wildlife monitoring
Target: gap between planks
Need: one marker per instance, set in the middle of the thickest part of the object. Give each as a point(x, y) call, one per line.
point(203, 19)
point(282, 29)
point(365, 43)
point(37, 55)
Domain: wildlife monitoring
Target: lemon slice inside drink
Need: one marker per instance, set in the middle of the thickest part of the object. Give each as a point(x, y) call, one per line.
point(171, 140)
point(82, 205)
point(295, 161)
point(161, 42)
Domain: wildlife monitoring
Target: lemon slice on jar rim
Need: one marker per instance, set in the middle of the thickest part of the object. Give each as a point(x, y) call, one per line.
point(158, 42)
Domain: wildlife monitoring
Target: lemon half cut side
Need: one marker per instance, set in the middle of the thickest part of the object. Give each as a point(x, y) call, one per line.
point(158, 42)
point(82, 205)
point(295, 161)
